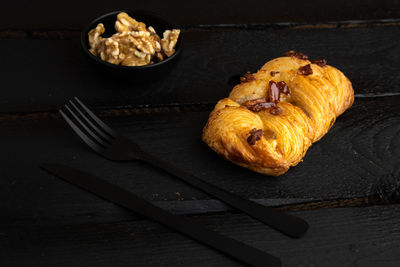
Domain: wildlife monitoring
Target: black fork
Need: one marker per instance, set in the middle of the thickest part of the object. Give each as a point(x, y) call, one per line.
point(109, 144)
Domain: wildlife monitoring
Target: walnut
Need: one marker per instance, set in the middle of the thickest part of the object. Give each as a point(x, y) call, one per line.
point(125, 23)
point(254, 136)
point(156, 40)
point(133, 44)
point(305, 70)
point(258, 104)
point(132, 52)
point(136, 59)
point(169, 40)
point(160, 56)
point(138, 34)
point(299, 55)
point(95, 38)
point(247, 77)
point(253, 102)
point(108, 49)
point(274, 94)
point(143, 44)
point(319, 62)
point(151, 29)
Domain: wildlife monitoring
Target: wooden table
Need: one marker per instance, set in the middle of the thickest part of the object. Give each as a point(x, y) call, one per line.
point(347, 188)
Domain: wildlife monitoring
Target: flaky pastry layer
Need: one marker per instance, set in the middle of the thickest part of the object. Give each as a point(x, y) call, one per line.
point(307, 113)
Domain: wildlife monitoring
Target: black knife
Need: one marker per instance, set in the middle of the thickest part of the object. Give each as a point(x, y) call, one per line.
point(124, 198)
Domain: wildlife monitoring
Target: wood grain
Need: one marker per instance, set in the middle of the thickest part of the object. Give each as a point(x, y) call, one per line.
point(47, 222)
point(47, 14)
point(40, 75)
point(367, 236)
point(358, 158)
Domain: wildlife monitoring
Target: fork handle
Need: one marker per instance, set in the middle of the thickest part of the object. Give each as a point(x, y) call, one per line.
point(288, 224)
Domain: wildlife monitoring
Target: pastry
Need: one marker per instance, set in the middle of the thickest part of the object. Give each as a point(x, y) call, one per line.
point(274, 115)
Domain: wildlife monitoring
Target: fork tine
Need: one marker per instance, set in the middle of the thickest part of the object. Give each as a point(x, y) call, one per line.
point(94, 127)
point(96, 119)
point(81, 134)
point(83, 125)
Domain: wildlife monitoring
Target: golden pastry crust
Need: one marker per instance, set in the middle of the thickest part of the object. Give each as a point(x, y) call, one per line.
point(308, 111)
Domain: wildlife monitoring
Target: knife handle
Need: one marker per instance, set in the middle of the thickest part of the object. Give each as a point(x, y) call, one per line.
point(232, 247)
point(124, 198)
point(288, 224)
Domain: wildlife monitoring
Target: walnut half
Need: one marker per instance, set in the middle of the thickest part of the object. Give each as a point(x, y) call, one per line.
point(95, 38)
point(125, 23)
point(169, 40)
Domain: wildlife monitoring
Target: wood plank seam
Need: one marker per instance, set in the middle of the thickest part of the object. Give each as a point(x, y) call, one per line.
point(389, 197)
point(63, 34)
point(120, 111)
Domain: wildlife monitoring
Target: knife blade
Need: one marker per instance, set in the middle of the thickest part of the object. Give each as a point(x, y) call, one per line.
point(124, 198)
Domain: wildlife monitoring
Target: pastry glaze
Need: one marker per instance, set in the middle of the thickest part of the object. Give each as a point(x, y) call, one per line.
point(308, 112)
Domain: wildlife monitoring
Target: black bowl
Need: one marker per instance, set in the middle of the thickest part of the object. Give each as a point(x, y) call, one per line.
point(133, 73)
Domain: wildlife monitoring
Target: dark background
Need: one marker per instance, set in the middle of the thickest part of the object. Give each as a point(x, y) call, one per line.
point(73, 14)
point(347, 188)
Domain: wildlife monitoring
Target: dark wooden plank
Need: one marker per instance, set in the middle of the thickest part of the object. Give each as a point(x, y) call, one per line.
point(49, 15)
point(358, 158)
point(41, 75)
point(337, 237)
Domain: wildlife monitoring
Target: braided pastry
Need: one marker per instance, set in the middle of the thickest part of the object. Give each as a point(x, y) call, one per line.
point(273, 116)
